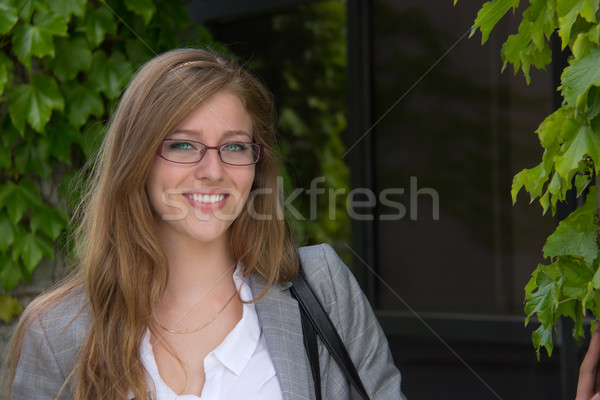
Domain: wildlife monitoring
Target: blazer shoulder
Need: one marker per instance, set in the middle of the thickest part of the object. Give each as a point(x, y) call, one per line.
point(62, 324)
point(354, 319)
point(54, 328)
point(321, 258)
point(64, 312)
point(321, 265)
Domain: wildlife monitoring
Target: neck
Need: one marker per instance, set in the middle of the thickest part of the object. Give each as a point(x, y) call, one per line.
point(198, 269)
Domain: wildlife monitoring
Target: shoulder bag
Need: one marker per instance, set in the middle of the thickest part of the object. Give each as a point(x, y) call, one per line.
point(315, 321)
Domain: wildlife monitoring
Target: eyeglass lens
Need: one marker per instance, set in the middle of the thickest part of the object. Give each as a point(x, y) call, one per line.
point(186, 151)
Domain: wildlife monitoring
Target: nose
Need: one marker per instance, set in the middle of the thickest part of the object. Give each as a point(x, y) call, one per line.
point(211, 166)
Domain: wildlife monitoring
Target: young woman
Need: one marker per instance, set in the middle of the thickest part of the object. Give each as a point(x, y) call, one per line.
point(181, 289)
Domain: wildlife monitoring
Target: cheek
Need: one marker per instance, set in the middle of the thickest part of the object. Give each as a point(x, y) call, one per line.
point(249, 181)
point(155, 184)
point(154, 194)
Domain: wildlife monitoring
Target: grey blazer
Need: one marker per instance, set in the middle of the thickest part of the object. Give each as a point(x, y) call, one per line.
point(51, 345)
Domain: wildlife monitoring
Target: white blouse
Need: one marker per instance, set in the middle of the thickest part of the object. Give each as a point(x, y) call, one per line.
point(240, 368)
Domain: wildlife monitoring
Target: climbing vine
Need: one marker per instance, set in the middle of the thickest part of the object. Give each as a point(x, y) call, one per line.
point(568, 283)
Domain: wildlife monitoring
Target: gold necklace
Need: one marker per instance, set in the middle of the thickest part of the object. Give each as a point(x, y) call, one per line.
point(203, 326)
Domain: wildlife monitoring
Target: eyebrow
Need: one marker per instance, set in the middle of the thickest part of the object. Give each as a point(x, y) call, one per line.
point(226, 135)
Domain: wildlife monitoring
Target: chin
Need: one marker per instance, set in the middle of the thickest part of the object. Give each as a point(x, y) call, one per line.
point(210, 232)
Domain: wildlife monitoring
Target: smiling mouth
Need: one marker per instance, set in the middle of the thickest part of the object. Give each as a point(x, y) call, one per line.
point(206, 198)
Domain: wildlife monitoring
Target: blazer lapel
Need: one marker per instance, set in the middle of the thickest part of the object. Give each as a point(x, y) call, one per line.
point(279, 318)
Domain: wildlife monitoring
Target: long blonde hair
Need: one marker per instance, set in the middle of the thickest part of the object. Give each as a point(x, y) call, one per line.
point(120, 263)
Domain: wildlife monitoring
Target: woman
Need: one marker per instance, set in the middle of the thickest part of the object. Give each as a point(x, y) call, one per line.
point(185, 262)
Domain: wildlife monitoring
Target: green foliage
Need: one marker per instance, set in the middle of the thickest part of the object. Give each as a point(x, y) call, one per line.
point(570, 285)
point(305, 67)
point(63, 64)
point(9, 306)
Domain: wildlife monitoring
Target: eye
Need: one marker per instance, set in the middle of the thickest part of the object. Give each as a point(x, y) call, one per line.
point(234, 147)
point(175, 145)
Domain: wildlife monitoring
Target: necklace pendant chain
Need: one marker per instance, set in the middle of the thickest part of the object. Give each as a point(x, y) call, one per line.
point(204, 325)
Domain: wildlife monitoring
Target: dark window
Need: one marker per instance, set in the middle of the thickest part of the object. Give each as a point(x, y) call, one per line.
point(455, 133)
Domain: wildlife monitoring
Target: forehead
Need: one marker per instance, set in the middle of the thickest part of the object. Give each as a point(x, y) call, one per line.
point(221, 115)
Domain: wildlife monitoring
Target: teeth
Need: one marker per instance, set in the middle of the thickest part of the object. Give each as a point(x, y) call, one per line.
point(212, 198)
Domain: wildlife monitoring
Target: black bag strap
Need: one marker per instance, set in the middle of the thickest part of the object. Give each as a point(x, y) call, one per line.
point(312, 350)
point(312, 310)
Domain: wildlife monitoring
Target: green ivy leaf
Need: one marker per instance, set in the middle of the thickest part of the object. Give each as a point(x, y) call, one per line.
point(549, 155)
point(31, 248)
point(28, 40)
point(538, 57)
point(516, 45)
point(570, 127)
point(82, 101)
point(18, 197)
point(568, 11)
point(5, 158)
point(541, 15)
point(582, 181)
point(98, 23)
point(28, 193)
point(594, 34)
point(9, 307)
point(577, 277)
point(6, 71)
point(533, 179)
point(567, 308)
point(10, 134)
point(50, 220)
point(530, 45)
point(68, 7)
point(575, 235)
point(590, 301)
point(76, 50)
point(589, 10)
point(28, 158)
point(593, 107)
point(490, 14)
point(137, 52)
point(16, 208)
point(6, 191)
point(530, 287)
point(27, 7)
point(144, 8)
point(542, 300)
point(596, 279)
point(7, 233)
point(585, 142)
point(110, 74)
point(9, 15)
point(11, 272)
point(56, 144)
point(34, 102)
point(557, 190)
point(542, 336)
point(580, 76)
point(36, 40)
point(582, 45)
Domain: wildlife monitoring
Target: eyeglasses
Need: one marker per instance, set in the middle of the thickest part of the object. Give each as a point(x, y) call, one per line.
point(188, 152)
